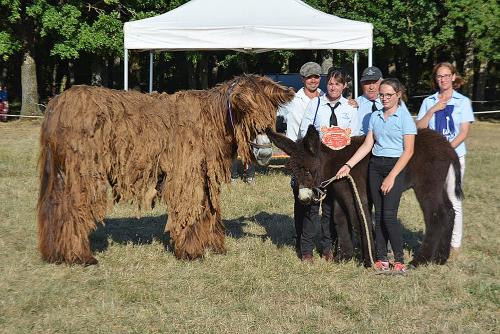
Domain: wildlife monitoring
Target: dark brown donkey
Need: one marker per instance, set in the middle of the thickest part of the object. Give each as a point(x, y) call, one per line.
point(312, 163)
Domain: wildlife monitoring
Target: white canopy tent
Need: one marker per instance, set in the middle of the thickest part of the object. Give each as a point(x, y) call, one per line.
point(247, 26)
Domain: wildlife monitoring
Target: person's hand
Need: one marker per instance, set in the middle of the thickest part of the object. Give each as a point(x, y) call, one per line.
point(352, 103)
point(387, 184)
point(343, 172)
point(440, 105)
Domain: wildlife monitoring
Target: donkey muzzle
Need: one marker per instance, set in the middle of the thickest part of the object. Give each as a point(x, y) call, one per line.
point(262, 149)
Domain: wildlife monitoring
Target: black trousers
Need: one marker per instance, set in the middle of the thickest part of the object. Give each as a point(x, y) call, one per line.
point(307, 220)
point(387, 226)
point(248, 170)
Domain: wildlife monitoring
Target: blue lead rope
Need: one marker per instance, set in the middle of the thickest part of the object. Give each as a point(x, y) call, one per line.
point(229, 107)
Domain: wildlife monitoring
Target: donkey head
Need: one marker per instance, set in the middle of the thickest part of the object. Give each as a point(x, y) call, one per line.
point(304, 163)
point(254, 101)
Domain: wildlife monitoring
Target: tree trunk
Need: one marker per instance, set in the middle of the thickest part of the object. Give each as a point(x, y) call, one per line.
point(481, 80)
point(97, 72)
point(469, 68)
point(29, 87)
point(203, 71)
point(327, 61)
point(191, 71)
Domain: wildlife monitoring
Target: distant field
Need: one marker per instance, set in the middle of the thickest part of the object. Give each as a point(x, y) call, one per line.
point(259, 286)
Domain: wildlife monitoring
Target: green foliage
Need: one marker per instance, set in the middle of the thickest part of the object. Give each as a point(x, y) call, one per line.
point(478, 21)
point(8, 45)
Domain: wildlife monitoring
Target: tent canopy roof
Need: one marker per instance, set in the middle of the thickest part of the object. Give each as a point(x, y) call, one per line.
point(248, 26)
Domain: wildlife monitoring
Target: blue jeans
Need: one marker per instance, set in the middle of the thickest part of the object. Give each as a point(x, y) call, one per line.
point(387, 226)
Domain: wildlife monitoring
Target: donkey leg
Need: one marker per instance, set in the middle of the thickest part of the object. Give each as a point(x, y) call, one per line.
point(345, 248)
point(194, 231)
point(444, 243)
point(365, 232)
point(434, 216)
point(64, 224)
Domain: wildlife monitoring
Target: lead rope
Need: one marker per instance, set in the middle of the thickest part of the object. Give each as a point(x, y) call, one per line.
point(360, 206)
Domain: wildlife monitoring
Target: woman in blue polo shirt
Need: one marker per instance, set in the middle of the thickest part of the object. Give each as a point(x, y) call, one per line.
point(449, 113)
point(390, 138)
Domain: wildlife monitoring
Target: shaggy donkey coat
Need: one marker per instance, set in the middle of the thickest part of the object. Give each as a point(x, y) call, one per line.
point(312, 162)
point(178, 147)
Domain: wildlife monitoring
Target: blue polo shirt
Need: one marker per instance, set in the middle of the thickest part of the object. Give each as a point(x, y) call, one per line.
point(460, 109)
point(365, 112)
point(388, 134)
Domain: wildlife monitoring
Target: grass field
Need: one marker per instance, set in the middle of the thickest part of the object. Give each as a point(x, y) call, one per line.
point(259, 286)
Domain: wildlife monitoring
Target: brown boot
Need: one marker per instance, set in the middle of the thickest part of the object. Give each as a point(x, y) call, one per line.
point(307, 258)
point(327, 255)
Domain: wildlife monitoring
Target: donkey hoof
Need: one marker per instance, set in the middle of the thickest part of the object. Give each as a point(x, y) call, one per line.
point(90, 261)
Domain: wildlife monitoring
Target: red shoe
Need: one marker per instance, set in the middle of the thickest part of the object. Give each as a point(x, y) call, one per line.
point(399, 268)
point(381, 266)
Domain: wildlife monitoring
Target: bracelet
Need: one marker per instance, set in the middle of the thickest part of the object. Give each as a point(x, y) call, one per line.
point(346, 164)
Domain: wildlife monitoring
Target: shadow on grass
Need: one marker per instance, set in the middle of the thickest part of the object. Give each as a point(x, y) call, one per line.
point(412, 239)
point(276, 165)
point(279, 228)
point(141, 231)
point(138, 231)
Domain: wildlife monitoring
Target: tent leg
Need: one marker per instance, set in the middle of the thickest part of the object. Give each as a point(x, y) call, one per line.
point(370, 57)
point(150, 71)
point(125, 69)
point(356, 54)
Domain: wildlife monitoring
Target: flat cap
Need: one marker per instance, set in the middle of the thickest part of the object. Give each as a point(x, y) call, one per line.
point(310, 68)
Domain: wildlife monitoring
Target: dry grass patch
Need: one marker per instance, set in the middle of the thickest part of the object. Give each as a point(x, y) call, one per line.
point(259, 286)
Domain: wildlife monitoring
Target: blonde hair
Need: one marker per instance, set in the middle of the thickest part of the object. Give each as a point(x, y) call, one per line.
point(457, 83)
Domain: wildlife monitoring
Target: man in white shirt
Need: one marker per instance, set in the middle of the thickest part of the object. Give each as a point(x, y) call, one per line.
point(369, 101)
point(293, 112)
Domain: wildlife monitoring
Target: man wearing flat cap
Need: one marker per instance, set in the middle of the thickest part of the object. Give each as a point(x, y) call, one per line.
point(294, 110)
point(293, 113)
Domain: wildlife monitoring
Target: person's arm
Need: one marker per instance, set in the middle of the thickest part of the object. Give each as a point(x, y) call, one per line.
point(408, 145)
point(362, 151)
point(355, 123)
point(353, 103)
point(423, 122)
point(462, 135)
point(308, 117)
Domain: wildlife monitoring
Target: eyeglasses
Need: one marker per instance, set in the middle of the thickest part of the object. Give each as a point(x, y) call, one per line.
point(443, 76)
point(388, 95)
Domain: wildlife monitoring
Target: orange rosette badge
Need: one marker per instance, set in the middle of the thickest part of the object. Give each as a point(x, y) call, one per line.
point(336, 137)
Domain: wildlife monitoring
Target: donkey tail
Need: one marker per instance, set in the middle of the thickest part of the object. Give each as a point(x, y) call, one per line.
point(458, 179)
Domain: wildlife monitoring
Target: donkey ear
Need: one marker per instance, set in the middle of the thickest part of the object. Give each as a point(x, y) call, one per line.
point(311, 141)
point(281, 141)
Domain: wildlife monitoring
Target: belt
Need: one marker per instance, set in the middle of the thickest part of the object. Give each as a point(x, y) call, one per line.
point(376, 157)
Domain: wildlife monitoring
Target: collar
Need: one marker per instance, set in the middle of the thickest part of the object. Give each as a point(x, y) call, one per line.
point(363, 99)
point(398, 112)
point(323, 100)
point(454, 95)
point(301, 94)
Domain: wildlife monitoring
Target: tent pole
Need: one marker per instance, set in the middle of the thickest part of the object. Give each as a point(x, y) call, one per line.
point(370, 57)
point(125, 69)
point(356, 74)
point(150, 71)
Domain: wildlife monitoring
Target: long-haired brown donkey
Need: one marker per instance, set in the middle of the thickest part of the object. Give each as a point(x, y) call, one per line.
point(176, 147)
